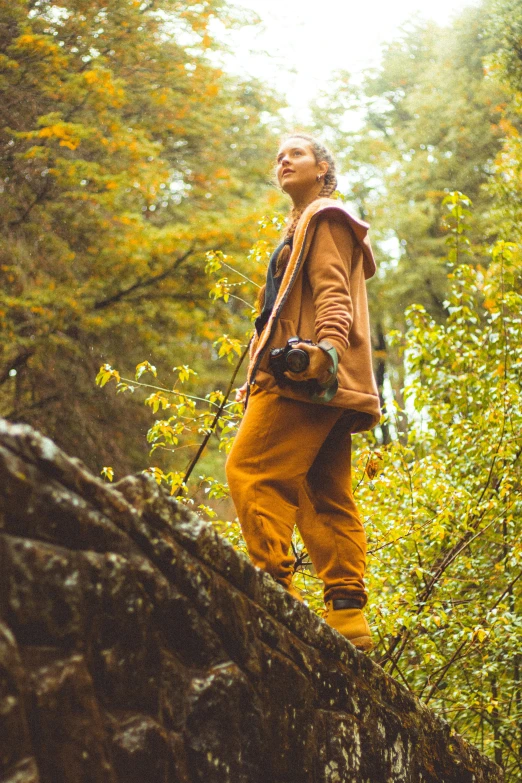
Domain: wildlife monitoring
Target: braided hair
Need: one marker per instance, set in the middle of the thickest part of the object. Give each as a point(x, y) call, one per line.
point(321, 153)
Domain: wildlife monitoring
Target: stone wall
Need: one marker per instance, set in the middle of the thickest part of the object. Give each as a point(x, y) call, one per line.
point(136, 645)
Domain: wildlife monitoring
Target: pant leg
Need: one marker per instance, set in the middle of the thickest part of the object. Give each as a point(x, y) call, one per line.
point(328, 519)
point(276, 445)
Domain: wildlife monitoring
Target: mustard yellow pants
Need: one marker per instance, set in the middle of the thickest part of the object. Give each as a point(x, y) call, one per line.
point(291, 465)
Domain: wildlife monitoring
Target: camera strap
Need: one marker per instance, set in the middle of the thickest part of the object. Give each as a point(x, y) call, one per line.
point(328, 389)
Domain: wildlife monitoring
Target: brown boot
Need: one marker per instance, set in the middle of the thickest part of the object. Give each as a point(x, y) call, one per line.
point(350, 622)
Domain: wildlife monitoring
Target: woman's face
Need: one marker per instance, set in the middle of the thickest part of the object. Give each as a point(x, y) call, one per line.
point(297, 170)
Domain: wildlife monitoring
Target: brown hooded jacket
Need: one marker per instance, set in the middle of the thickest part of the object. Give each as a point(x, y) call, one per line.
point(323, 297)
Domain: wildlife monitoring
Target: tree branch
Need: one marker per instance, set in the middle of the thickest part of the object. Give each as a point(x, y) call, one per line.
point(40, 197)
point(144, 282)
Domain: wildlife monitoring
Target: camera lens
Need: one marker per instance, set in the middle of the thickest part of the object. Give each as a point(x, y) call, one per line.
point(297, 360)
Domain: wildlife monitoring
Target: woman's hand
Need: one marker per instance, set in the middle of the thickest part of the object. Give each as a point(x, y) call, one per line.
point(318, 369)
point(241, 393)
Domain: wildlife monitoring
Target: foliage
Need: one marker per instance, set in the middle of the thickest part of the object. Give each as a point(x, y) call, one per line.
point(444, 513)
point(505, 66)
point(125, 154)
point(194, 417)
point(505, 29)
point(443, 508)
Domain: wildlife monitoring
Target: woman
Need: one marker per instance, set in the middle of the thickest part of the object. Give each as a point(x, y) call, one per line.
point(291, 460)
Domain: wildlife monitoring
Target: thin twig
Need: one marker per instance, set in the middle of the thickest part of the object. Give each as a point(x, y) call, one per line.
point(233, 269)
point(213, 425)
point(168, 391)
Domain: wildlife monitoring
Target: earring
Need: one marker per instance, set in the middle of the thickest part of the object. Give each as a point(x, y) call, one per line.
point(319, 177)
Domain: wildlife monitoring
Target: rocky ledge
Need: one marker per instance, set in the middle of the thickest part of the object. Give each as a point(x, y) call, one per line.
point(137, 645)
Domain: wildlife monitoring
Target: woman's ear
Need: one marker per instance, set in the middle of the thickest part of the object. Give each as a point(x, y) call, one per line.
point(323, 168)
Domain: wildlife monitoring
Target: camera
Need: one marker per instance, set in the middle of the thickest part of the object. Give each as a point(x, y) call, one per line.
point(288, 358)
point(296, 360)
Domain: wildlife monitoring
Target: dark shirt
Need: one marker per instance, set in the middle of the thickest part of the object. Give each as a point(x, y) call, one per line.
point(273, 284)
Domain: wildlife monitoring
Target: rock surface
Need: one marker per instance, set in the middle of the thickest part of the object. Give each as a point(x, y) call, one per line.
point(136, 645)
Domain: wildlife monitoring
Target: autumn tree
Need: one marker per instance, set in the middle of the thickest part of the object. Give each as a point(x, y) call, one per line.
point(126, 154)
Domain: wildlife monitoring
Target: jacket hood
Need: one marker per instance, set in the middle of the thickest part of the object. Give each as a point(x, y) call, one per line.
point(359, 227)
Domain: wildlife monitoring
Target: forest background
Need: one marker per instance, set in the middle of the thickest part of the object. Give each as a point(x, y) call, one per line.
point(138, 214)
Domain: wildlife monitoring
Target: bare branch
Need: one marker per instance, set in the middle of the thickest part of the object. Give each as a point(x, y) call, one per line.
point(143, 283)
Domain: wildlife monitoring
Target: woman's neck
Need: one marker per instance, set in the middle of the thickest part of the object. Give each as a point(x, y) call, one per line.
point(300, 202)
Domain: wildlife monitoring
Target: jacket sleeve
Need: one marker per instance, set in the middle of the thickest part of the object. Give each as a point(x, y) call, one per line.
point(328, 265)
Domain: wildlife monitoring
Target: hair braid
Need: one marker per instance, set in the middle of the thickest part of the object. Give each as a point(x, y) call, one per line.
point(321, 153)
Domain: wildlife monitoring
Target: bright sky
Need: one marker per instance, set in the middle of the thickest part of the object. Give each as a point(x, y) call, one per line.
point(302, 41)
